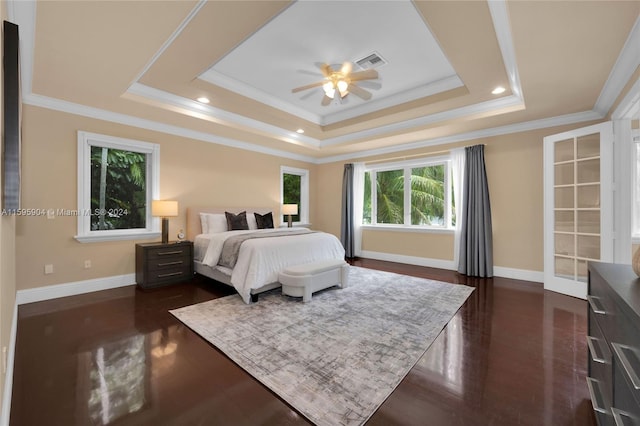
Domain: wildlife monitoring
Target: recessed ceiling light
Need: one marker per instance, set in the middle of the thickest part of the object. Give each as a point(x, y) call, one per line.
point(498, 90)
point(301, 131)
point(203, 100)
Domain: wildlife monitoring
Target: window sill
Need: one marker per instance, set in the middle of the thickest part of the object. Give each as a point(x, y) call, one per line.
point(295, 225)
point(403, 228)
point(92, 238)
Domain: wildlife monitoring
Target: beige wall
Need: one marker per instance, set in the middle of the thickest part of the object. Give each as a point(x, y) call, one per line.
point(191, 172)
point(514, 170)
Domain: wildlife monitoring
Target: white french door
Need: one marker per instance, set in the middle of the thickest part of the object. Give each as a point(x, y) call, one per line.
point(578, 206)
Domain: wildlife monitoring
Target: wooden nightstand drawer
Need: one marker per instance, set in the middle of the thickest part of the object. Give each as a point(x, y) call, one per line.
point(167, 251)
point(160, 264)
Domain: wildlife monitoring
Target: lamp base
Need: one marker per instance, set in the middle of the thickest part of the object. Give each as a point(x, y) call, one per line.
point(289, 221)
point(165, 230)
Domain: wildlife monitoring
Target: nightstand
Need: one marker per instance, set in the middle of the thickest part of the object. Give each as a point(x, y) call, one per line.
point(159, 264)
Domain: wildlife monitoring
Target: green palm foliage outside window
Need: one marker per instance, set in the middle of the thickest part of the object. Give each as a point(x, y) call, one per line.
point(429, 193)
point(291, 188)
point(118, 189)
point(390, 196)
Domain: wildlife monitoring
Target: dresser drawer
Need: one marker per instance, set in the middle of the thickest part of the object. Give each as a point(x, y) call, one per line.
point(626, 409)
point(602, 308)
point(600, 371)
point(614, 367)
point(626, 366)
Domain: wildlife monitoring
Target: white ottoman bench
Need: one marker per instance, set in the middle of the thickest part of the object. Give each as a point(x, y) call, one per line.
point(303, 280)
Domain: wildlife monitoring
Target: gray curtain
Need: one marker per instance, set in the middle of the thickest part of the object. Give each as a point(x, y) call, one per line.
point(347, 232)
point(476, 240)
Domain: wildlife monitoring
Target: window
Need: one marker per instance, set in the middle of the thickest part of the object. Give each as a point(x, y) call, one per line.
point(117, 179)
point(413, 194)
point(295, 190)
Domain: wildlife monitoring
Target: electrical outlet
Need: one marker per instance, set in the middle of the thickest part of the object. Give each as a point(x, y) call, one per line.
point(48, 269)
point(87, 264)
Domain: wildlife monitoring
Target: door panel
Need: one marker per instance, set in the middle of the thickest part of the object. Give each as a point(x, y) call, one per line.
point(578, 206)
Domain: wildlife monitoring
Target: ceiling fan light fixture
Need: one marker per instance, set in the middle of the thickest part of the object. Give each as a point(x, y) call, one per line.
point(342, 87)
point(338, 84)
point(329, 90)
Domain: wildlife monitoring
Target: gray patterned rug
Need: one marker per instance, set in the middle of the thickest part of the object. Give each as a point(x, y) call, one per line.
point(337, 358)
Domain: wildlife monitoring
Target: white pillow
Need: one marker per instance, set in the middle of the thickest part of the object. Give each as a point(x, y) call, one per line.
point(216, 223)
point(251, 221)
point(204, 223)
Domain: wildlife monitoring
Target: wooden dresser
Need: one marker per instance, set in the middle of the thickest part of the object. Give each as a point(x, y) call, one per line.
point(159, 264)
point(614, 343)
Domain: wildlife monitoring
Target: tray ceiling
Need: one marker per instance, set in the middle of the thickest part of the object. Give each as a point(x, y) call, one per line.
point(146, 63)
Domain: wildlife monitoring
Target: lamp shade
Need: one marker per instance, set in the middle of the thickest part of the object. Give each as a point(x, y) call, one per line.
point(290, 209)
point(164, 208)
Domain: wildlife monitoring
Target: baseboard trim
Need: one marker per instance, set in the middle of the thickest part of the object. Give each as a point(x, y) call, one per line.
point(71, 289)
point(8, 377)
point(409, 260)
point(519, 274)
point(498, 271)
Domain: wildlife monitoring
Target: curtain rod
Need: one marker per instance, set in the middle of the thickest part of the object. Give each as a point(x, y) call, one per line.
point(406, 157)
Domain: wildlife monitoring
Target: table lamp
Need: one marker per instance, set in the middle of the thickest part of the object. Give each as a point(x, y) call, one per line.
point(289, 209)
point(164, 209)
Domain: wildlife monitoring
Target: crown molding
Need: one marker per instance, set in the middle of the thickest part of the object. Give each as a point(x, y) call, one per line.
point(196, 9)
point(466, 111)
point(422, 91)
point(128, 120)
point(543, 123)
point(216, 115)
point(214, 77)
point(23, 13)
point(630, 105)
point(626, 64)
point(502, 27)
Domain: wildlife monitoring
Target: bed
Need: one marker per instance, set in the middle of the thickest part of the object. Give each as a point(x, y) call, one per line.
point(260, 257)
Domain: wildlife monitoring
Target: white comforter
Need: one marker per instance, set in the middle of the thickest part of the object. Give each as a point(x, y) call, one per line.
point(260, 259)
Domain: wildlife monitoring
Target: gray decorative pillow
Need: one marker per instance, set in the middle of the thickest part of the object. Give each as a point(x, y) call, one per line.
point(236, 222)
point(264, 221)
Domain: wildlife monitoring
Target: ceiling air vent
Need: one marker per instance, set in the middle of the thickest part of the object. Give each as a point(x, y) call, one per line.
point(373, 60)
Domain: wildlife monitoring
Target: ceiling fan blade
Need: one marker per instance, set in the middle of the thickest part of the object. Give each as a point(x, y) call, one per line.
point(308, 86)
point(367, 84)
point(325, 100)
point(364, 75)
point(359, 92)
point(326, 70)
point(346, 68)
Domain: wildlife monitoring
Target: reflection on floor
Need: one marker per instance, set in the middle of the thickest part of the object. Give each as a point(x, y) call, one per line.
point(513, 355)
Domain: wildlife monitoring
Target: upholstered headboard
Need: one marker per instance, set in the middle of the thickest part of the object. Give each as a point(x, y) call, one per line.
point(194, 227)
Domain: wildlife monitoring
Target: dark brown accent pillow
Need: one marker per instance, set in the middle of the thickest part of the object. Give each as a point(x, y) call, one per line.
point(264, 221)
point(236, 222)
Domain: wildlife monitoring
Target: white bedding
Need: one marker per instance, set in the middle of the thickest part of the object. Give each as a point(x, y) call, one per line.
point(260, 259)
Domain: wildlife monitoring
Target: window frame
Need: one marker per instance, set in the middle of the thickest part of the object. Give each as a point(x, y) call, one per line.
point(407, 166)
point(303, 213)
point(86, 140)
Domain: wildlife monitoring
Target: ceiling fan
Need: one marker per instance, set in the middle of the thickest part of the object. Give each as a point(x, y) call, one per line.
point(341, 83)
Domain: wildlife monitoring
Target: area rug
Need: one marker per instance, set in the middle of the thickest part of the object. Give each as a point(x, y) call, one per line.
point(338, 357)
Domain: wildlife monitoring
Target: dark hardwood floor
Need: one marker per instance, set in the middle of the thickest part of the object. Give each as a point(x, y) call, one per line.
point(513, 355)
